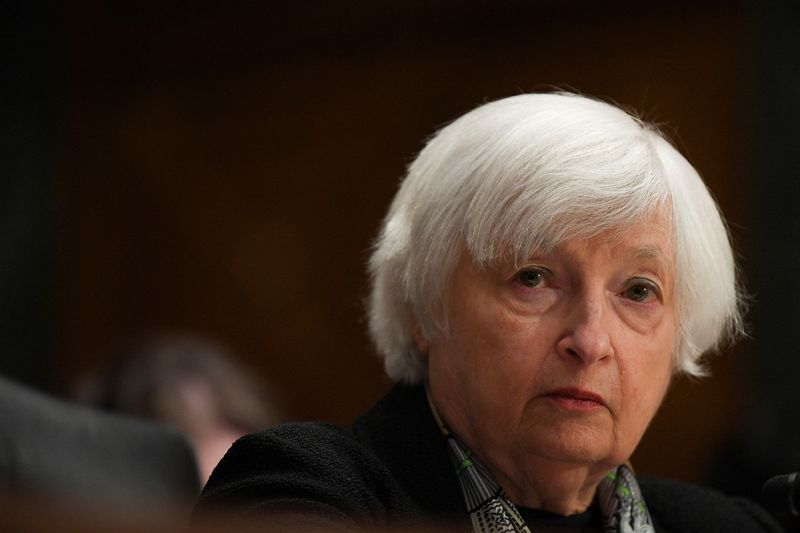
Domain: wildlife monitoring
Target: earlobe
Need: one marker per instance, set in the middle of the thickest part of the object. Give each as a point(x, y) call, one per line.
point(420, 341)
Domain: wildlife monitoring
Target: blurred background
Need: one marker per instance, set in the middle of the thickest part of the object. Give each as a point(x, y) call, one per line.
point(221, 168)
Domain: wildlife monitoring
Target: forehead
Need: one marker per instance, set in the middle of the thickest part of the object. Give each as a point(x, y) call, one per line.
point(650, 240)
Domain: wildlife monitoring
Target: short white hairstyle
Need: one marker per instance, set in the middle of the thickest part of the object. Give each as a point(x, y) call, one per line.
point(527, 173)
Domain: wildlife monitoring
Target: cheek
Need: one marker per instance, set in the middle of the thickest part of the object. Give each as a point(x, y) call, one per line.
point(646, 386)
point(488, 335)
point(497, 358)
point(510, 347)
point(645, 374)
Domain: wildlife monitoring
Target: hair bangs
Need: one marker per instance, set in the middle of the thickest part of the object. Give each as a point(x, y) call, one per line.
point(539, 209)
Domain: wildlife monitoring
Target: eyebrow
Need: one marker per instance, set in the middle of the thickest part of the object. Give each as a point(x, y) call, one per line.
point(656, 254)
point(649, 252)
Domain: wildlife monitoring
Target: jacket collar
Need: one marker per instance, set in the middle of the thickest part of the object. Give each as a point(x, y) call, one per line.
point(403, 433)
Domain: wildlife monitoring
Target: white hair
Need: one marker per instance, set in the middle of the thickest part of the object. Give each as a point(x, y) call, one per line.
point(527, 173)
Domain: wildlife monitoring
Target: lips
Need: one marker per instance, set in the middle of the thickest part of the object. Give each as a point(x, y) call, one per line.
point(575, 398)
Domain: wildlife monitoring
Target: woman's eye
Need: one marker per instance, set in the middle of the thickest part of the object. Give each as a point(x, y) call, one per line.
point(641, 292)
point(530, 277)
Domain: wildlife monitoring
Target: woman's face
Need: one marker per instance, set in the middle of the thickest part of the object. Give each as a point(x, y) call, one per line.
point(565, 358)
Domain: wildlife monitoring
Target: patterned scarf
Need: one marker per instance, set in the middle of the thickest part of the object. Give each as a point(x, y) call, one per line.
point(490, 510)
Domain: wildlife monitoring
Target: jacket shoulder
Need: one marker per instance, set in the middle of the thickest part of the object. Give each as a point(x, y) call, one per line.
point(309, 469)
point(679, 507)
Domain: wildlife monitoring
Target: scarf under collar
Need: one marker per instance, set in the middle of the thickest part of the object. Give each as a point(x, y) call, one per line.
point(618, 495)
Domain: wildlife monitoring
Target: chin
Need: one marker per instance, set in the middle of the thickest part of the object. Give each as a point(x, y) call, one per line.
point(576, 446)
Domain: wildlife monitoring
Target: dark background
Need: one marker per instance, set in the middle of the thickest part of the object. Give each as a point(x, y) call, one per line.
point(222, 168)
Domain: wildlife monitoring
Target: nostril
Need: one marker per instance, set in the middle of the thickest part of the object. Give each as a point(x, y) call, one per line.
point(572, 352)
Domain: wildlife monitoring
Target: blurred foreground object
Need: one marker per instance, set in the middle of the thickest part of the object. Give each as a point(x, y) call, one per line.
point(84, 458)
point(781, 496)
point(189, 383)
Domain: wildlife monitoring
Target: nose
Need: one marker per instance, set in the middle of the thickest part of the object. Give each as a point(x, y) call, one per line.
point(586, 336)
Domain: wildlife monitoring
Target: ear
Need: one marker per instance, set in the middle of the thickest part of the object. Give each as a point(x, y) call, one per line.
point(419, 339)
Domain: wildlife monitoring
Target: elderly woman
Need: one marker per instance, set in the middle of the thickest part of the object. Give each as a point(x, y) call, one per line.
point(548, 265)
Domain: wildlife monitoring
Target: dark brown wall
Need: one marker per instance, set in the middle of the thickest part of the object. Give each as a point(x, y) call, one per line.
point(224, 169)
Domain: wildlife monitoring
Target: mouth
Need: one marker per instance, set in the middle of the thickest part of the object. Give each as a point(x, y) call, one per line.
point(575, 399)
